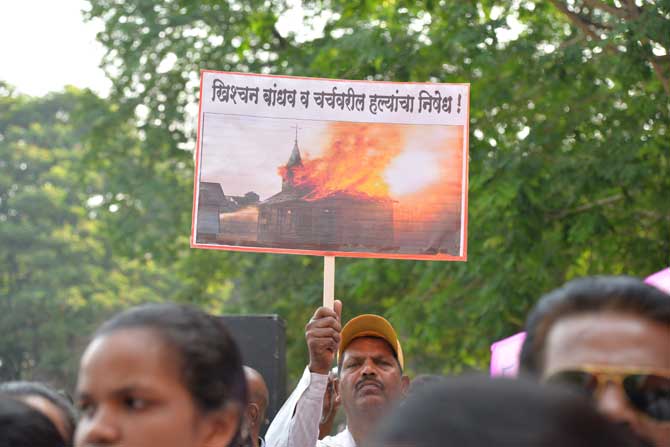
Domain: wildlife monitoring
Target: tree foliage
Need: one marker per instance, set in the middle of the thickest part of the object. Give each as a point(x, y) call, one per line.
point(59, 275)
point(569, 154)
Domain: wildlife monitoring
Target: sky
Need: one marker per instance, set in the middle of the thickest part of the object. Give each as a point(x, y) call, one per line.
point(237, 166)
point(244, 153)
point(45, 45)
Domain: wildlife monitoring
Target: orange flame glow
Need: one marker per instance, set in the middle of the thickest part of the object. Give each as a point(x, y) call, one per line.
point(354, 161)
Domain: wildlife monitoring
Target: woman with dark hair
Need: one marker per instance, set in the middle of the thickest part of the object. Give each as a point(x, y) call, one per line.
point(54, 405)
point(21, 425)
point(480, 412)
point(160, 375)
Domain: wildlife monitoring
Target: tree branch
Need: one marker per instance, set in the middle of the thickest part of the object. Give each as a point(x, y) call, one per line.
point(572, 41)
point(587, 27)
point(661, 76)
point(586, 207)
point(653, 215)
point(618, 12)
point(283, 43)
point(576, 19)
point(632, 9)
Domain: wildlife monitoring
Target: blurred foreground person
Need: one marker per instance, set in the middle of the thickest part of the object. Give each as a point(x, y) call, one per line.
point(369, 382)
point(160, 375)
point(254, 414)
point(424, 380)
point(49, 402)
point(21, 425)
point(483, 412)
point(608, 337)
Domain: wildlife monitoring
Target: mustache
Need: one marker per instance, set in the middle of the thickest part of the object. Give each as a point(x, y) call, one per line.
point(361, 383)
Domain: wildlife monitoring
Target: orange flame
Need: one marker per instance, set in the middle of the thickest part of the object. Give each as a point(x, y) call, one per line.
point(353, 162)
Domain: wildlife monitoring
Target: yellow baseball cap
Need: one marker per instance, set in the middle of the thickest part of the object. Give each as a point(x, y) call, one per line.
point(369, 325)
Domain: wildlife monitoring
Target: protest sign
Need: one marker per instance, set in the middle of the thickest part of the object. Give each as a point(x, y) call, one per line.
point(331, 167)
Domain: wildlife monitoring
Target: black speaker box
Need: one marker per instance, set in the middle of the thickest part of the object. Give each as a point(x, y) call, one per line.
point(262, 340)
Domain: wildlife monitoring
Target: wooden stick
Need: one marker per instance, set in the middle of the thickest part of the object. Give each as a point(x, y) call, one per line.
point(329, 281)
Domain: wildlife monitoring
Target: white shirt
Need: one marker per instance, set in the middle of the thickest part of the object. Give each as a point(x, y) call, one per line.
point(297, 422)
point(342, 439)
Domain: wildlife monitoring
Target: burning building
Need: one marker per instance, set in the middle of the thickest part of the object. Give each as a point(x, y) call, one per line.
point(299, 217)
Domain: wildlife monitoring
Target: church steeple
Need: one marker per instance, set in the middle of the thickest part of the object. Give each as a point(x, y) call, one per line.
point(294, 161)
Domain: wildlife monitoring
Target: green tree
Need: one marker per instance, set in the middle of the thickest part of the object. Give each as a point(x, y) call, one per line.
point(569, 154)
point(59, 275)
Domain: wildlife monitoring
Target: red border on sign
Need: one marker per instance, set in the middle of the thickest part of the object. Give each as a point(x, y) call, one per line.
point(428, 257)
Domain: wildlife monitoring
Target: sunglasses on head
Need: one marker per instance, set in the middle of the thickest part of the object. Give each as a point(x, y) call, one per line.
point(648, 391)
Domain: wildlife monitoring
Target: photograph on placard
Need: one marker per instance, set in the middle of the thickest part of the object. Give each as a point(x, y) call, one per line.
point(331, 185)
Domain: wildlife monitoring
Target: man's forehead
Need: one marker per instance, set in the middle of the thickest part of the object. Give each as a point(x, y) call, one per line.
point(368, 346)
point(606, 338)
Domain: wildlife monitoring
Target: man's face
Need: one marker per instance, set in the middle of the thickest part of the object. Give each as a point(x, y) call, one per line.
point(254, 414)
point(370, 380)
point(612, 340)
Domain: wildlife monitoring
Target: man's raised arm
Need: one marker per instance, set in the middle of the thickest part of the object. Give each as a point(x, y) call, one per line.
point(297, 422)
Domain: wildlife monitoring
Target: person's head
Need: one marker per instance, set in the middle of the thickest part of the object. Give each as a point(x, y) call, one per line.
point(481, 412)
point(254, 414)
point(610, 337)
point(370, 368)
point(21, 425)
point(52, 404)
point(423, 380)
point(160, 374)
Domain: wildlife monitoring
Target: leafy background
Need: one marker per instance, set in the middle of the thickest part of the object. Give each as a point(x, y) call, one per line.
point(569, 169)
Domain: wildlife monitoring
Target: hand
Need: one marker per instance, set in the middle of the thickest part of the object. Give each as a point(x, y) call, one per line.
point(323, 337)
point(331, 403)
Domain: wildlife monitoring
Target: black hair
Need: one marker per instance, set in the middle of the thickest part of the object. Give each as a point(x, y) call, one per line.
point(622, 294)
point(422, 381)
point(211, 363)
point(474, 411)
point(23, 426)
point(62, 402)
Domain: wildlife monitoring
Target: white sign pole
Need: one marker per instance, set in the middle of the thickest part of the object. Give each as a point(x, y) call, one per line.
point(329, 281)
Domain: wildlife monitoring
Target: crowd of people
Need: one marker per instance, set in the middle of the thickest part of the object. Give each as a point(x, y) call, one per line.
point(595, 371)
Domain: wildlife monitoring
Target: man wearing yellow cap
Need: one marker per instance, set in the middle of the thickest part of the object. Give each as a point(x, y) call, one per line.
point(370, 380)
